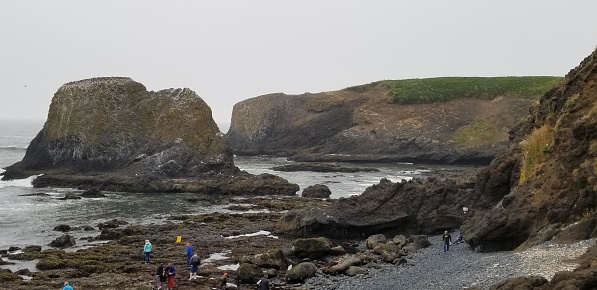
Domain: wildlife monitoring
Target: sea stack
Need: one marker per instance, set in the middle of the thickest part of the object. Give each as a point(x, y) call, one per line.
point(111, 130)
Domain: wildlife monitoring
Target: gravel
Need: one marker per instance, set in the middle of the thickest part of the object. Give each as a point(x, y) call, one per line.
point(460, 268)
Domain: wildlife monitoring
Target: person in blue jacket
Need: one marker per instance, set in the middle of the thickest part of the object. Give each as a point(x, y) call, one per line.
point(147, 251)
point(67, 286)
point(189, 252)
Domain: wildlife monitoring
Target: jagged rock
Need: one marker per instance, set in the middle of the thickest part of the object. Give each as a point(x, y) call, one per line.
point(311, 248)
point(62, 228)
point(2, 262)
point(337, 250)
point(301, 272)
point(248, 273)
point(387, 247)
point(317, 191)
point(13, 248)
point(374, 240)
point(422, 206)
point(63, 241)
point(399, 240)
point(111, 134)
point(273, 258)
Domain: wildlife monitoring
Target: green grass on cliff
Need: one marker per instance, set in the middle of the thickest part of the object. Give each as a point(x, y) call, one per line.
point(479, 132)
point(433, 90)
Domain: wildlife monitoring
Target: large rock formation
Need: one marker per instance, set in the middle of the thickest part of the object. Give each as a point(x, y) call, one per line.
point(361, 125)
point(417, 206)
point(113, 134)
point(548, 190)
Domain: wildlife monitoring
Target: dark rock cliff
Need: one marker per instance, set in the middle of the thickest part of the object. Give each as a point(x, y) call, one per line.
point(356, 126)
point(113, 132)
point(557, 196)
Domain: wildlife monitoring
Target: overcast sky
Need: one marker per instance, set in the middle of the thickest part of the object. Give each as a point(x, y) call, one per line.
point(228, 51)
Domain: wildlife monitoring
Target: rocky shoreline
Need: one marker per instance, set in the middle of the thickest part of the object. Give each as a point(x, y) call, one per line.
point(235, 242)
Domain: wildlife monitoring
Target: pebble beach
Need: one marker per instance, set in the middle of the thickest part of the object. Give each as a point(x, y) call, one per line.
point(460, 268)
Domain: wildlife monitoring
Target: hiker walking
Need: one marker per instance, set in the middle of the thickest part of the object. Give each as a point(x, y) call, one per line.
point(195, 261)
point(447, 241)
point(189, 252)
point(147, 251)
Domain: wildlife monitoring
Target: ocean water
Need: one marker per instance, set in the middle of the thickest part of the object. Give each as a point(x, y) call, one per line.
point(28, 215)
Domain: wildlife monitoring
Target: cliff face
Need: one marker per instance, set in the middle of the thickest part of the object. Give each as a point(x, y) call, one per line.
point(107, 124)
point(361, 125)
point(547, 191)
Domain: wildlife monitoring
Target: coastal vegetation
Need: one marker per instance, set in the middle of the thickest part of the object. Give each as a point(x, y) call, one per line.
point(442, 89)
point(478, 132)
point(536, 148)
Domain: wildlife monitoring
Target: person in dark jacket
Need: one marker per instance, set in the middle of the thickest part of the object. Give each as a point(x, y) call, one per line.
point(224, 282)
point(447, 241)
point(195, 261)
point(263, 283)
point(160, 277)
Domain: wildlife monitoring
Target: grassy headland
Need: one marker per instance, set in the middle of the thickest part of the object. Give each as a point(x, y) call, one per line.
point(442, 89)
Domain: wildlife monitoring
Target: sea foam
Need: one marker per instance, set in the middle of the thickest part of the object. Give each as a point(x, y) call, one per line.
point(18, 182)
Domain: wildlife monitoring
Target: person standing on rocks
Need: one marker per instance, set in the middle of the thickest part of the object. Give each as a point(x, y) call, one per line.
point(195, 261)
point(170, 272)
point(263, 283)
point(224, 282)
point(189, 252)
point(447, 241)
point(160, 277)
point(147, 251)
point(67, 286)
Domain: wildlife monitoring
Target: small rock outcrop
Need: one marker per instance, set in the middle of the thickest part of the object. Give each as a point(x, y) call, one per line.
point(317, 191)
point(301, 272)
point(111, 134)
point(63, 241)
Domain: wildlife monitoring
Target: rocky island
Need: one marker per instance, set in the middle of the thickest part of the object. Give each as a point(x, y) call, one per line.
point(112, 134)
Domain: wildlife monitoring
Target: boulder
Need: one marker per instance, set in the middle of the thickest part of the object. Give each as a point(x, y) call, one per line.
point(62, 228)
point(311, 248)
point(63, 241)
point(374, 240)
point(273, 258)
point(341, 264)
point(32, 249)
point(248, 273)
point(301, 272)
point(317, 191)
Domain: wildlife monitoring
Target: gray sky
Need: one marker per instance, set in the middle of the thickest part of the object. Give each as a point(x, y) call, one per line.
point(228, 51)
